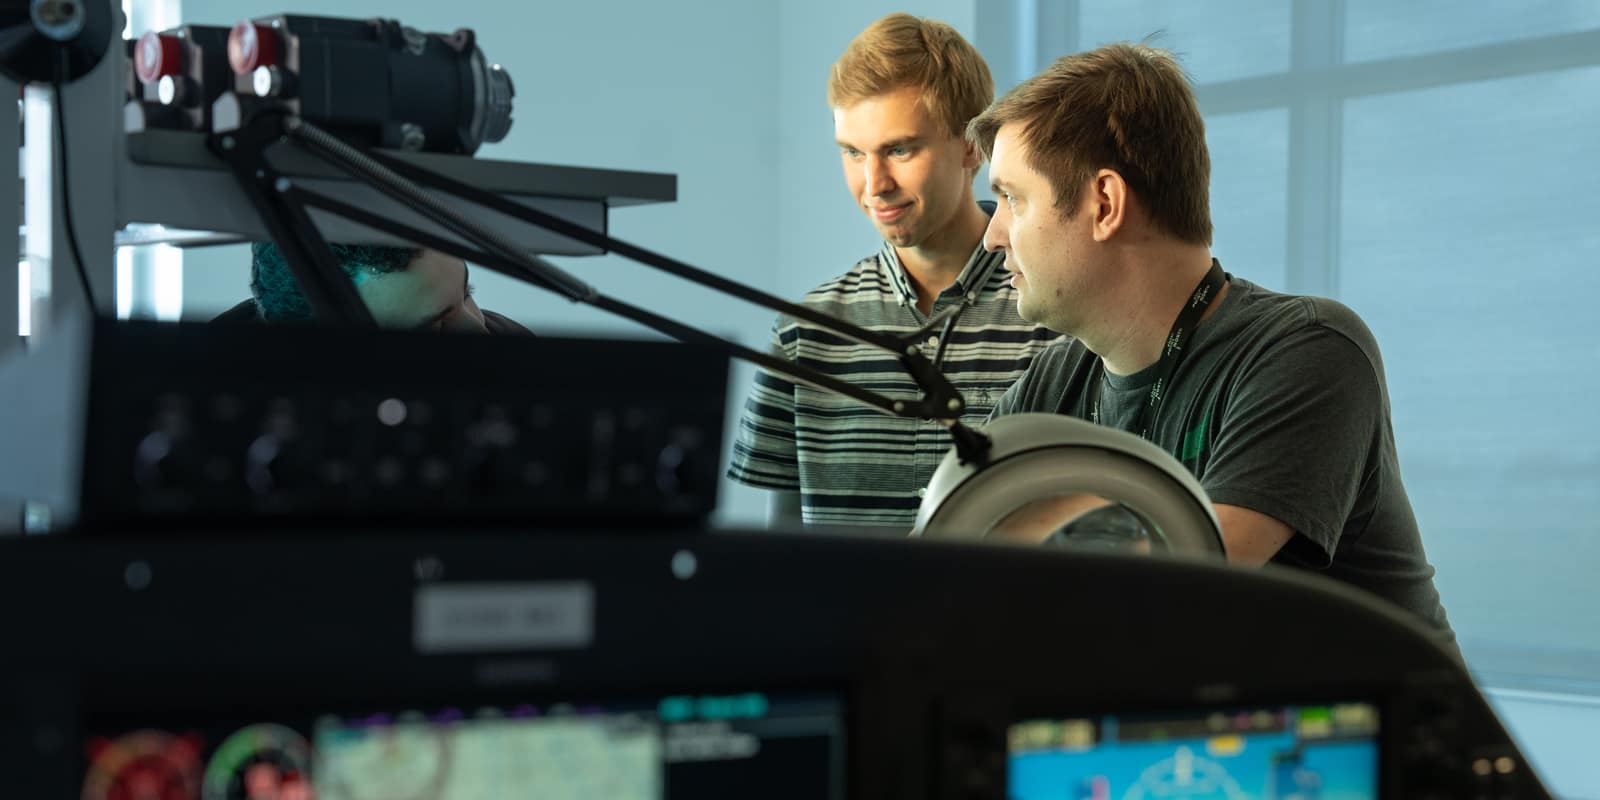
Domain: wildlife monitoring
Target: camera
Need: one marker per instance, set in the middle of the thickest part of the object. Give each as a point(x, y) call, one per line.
point(372, 82)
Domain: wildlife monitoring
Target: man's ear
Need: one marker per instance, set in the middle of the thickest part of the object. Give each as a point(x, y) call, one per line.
point(1108, 198)
point(972, 157)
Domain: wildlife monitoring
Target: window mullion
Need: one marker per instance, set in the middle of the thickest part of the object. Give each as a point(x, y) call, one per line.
point(1315, 134)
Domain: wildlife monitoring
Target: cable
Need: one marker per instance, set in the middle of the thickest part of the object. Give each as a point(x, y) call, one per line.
point(66, 181)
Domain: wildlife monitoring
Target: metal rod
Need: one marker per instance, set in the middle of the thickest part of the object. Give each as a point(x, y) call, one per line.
point(401, 181)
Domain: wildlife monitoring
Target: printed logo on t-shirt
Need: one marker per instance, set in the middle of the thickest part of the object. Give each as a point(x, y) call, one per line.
point(1194, 443)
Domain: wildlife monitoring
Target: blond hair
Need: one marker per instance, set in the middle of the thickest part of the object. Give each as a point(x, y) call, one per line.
point(1124, 107)
point(901, 50)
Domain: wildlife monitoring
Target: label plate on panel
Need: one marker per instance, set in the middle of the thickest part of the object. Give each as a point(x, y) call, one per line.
point(478, 617)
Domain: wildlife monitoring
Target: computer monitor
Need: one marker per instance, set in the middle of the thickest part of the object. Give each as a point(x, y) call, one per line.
point(774, 745)
point(1307, 752)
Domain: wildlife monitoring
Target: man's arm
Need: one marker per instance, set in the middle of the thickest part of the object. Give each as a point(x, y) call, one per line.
point(1251, 538)
point(784, 510)
point(764, 450)
point(1291, 451)
point(1034, 522)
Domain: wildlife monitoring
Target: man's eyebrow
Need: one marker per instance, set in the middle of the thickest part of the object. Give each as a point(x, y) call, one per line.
point(904, 141)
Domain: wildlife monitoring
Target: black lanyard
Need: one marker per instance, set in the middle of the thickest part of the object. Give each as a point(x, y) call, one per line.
point(1182, 329)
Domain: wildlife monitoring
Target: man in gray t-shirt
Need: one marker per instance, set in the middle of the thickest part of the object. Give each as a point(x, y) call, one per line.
point(1276, 403)
point(1279, 406)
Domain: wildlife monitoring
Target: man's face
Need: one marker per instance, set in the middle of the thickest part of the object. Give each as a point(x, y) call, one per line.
point(1047, 248)
point(431, 294)
point(904, 169)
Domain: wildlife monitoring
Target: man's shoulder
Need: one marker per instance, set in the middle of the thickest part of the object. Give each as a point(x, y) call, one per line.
point(867, 274)
point(1338, 317)
point(1278, 315)
point(1061, 352)
point(865, 295)
point(1043, 385)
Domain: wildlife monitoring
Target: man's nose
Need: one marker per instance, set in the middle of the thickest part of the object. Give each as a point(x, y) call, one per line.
point(997, 237)
point(880, 179)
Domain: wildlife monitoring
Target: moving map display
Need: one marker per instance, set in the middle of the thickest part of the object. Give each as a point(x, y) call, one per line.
point(1280, 753)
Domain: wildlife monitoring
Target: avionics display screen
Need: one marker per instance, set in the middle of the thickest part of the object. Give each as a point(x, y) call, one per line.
point(751, 744)
point(1277, 753)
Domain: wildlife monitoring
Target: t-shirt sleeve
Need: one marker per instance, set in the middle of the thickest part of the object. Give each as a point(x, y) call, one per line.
point(764, 450)
point(1011, 401)
point(1041, 385)
point(1296, 434)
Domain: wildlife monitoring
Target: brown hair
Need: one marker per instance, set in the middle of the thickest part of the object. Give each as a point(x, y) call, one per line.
point(901, 50)
point(1125, 107)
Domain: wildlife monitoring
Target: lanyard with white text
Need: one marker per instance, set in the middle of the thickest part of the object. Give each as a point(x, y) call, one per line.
point(1188, 318)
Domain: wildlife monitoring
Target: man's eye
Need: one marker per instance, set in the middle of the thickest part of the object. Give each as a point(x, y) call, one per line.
point(900, 151)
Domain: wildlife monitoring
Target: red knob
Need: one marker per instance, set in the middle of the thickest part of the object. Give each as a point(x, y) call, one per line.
point(156, 55)
point(251, 45)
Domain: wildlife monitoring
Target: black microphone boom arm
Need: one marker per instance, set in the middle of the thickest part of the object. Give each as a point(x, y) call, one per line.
point(282, 203)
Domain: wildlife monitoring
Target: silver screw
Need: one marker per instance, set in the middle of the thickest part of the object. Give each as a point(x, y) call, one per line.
point(281, 184)
point(411, 137)
point(138, 575)
point(684, 565)
point(954, 404)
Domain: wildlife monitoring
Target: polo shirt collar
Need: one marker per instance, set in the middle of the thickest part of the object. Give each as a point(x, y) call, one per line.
point(970, 283)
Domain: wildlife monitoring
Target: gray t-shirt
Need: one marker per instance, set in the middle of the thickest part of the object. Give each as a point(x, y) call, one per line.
point(1279, 406)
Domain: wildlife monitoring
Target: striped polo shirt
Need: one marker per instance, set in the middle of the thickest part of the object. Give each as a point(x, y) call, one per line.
point(851, 463)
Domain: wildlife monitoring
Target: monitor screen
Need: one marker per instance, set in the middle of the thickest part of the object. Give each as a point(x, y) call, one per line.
point(678, 746)
point(1276, 753)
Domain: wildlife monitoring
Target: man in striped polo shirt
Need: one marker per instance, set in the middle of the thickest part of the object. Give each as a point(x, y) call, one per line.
point(902, 95)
